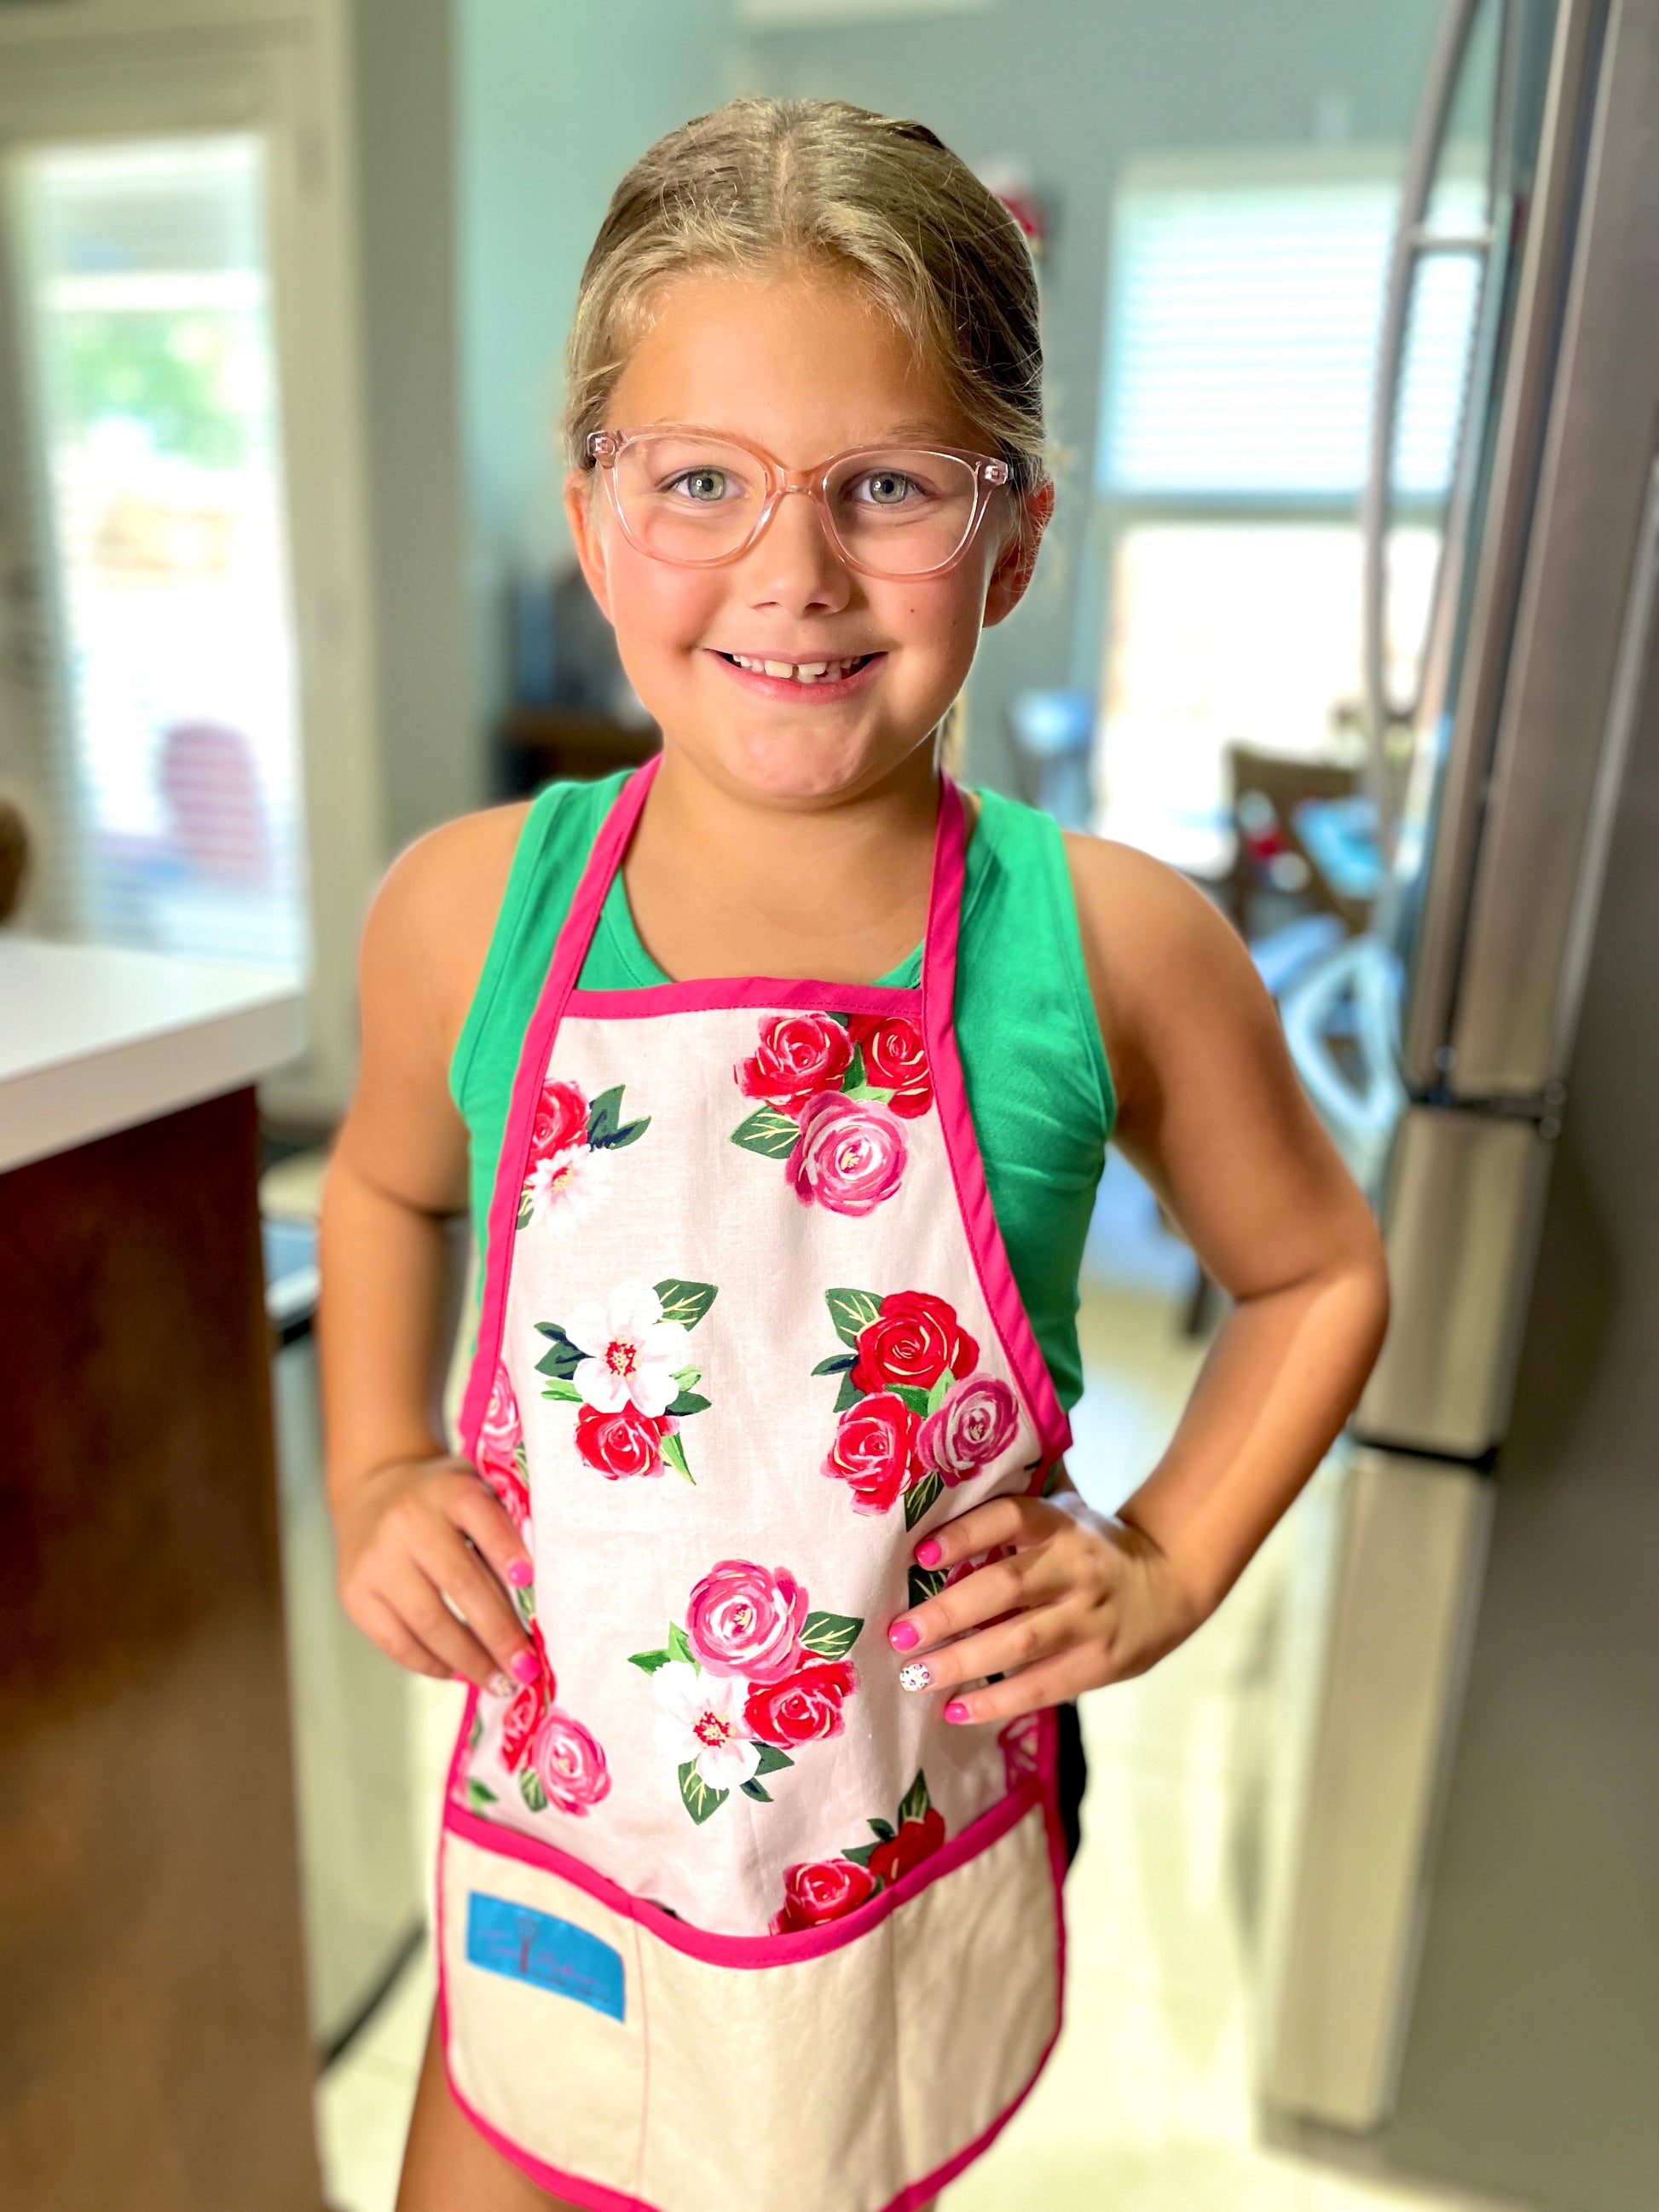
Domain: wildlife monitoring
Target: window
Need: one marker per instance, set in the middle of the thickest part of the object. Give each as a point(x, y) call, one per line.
point(1244, 304)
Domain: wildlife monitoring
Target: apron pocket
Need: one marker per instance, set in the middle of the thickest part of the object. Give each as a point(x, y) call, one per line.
point(597, 2051)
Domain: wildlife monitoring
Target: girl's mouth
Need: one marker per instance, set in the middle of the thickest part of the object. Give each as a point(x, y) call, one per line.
point(825, 680)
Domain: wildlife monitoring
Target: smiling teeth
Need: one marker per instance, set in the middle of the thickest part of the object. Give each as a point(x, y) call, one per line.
point(800, 671)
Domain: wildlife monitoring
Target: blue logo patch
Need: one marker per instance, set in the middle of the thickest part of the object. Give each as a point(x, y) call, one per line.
point(533, 1947)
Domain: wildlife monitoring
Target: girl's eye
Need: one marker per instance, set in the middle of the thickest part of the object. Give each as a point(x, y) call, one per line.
point(886, 488)
point(703, 487)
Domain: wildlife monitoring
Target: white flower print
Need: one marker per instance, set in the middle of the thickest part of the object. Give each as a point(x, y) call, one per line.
point(632, 1351)
point(701, 1719)
point(565, 1187)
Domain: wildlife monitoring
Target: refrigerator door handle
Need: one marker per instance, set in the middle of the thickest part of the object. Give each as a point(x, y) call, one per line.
point(1414, 243)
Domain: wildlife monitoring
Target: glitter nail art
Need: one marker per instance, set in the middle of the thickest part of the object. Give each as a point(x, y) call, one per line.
point(913, 1674)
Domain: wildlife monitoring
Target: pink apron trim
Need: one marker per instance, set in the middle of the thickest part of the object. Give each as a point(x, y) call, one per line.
point(718, 992)
point(996, 1275)
point(594, 2196)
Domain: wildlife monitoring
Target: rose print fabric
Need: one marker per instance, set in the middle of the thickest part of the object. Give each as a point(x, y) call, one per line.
point(737, 1258)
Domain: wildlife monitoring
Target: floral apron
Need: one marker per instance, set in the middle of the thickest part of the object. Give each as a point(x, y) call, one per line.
point(726, 1914)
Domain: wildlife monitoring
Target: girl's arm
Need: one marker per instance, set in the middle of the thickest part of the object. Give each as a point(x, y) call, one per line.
point(423, 1547)
point(1211, 1111)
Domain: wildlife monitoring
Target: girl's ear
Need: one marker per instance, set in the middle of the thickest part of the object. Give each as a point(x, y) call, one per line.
point(580, 489)
point(1018, 559)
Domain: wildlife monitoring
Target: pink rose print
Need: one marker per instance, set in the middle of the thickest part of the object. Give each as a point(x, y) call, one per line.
point(874, 1450)
point(500, 1456)
point(894, 1058)
point(519, 1724)
point(975, 1423)
point(915, 1841)
point(560, 1120)
point(803, 1708)
point(627, 1442)
point(913, 1338)
point(820, 1889)
point(568, 1764)
point(850, 1155)
point(742, 1620)
point(798, 1056)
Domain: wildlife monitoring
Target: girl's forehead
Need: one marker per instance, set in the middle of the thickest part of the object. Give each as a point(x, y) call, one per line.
point(793, 359)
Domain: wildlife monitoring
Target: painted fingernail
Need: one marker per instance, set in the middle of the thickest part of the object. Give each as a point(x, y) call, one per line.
point(500, 1686)
point(903, 1635)
point(913, 1674)
point(956, 1711)
point(525, 1666)
point(521, 1573)
point(927, 1553)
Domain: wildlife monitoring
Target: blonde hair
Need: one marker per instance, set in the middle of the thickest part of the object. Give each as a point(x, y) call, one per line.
point(760, 182)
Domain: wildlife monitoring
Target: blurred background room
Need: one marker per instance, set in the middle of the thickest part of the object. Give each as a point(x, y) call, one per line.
point(1347, 612)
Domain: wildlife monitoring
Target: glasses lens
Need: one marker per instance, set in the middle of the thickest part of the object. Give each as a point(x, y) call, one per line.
point(688, 498)
point(902, 512)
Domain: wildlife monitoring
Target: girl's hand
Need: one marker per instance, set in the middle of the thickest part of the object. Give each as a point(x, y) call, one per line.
point(421, 1532)
point(1082, 1600)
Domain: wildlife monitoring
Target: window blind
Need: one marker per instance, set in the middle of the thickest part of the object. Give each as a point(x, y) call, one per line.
point(1243, 325)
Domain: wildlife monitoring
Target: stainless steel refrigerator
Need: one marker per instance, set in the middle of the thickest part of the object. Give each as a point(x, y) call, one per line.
point(1441, 1974)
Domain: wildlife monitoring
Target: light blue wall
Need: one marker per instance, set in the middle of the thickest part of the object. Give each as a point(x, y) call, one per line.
point(555, 98)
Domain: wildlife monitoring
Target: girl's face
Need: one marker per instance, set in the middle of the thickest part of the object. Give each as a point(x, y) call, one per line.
point(799, 364)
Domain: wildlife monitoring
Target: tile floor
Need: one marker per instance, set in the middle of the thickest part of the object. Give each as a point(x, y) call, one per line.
point(1147, 2105)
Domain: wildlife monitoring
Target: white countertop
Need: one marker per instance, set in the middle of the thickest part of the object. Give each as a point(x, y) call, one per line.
point(95, 1038)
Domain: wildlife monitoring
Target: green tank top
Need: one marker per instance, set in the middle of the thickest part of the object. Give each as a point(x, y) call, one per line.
point(1033, 1061)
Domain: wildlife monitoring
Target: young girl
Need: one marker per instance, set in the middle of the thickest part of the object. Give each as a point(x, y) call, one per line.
point(780, 1075)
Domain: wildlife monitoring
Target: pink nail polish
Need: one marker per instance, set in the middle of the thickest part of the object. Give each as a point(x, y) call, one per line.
point(526, 1666)
point(521, 1573)
point(902, 1635)
point(956, 1711)
point(927, 1554)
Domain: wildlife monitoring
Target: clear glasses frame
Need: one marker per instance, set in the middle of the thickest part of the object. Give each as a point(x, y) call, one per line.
point(605, 448)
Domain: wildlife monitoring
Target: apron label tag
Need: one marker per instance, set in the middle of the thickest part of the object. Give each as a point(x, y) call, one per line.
point(533, 1947)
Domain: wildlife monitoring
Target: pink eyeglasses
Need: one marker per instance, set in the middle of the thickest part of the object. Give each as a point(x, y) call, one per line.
point(699, 499)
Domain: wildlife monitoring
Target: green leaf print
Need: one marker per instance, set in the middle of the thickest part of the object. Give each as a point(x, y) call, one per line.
point(861, 1854)
point(752, 1788)
point(526, 1207)
point(689, 1402)
point(916, 1802)
point(848, 1396)
point(529, 1788)
point(909, 1395)
point(830, 1635)
point(679, 1645)
point(686, 1302)
point(479, 1795)
point(922, 1495)
point(839, 1363)
point(649, 1661)
point(768, 1132)
point(855, 1078)
point(606, 1130)
point(699, 1799)
point(772, 1760)
point(884, 1829)
point(940, 1391)
point(563, 1358)
point(565, 1392)
point(674, 1452)
point(525, 1600)
point(924, 1582)
point(851, 1311)
point(474, 1732)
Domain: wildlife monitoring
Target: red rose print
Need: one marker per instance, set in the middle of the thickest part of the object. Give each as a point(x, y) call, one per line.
point(915, 1841)
point(506, 1486)
point(819, 1890)
point(804, 1707)
point(742, 1620)
point(798, 1056)
point(519, 1724)
point(627, 1442)
point(560, 1120)
point(913, 1340)
point(874, 1451)
point(895, 1057)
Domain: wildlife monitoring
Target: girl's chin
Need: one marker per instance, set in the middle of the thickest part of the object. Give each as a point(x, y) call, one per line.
point(803, 766)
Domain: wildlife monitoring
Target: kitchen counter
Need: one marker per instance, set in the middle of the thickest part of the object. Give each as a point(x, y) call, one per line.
point(153, 2033)
point(95, 1038)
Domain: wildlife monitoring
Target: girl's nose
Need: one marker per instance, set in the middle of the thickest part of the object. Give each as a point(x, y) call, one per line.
point(795, 565)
